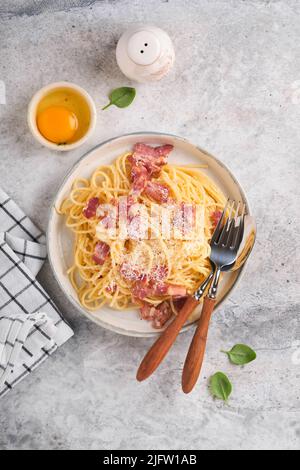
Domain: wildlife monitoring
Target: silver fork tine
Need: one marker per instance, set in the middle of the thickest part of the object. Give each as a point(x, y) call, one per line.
point(229, 234)
point(243, 211)
point(217, 231)
point(228, 227)
point(239, 228)
point(237, 211)
point(236, 237)
point(235, 223)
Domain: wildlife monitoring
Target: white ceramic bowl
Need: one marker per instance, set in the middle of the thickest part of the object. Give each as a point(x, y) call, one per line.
point(32, 110)
point(60, 239)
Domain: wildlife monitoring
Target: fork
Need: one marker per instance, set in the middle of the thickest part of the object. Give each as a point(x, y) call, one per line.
point(163, 344)
point(224, 249)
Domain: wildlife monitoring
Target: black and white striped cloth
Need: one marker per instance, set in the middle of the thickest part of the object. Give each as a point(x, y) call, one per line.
point(31, 327)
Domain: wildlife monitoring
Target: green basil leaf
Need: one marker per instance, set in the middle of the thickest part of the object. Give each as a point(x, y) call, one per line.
point(241, 354)
point(220, 386)
point(121, 97)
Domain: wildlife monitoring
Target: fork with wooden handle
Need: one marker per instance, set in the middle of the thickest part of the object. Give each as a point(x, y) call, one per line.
point(224, 250)
point(163, 344)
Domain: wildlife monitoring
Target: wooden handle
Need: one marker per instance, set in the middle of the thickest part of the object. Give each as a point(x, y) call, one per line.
point(194, 359)
point(160, 348)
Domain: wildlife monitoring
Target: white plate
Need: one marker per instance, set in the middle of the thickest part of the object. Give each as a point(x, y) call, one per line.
point(60, 239)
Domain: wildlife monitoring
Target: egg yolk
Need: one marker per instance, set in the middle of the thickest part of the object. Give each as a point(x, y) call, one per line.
point(57, 124)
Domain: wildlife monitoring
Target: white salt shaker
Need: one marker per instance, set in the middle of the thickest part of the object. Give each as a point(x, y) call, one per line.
point(145, 53)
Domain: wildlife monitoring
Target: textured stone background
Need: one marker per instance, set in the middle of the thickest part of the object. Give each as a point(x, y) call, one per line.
point(235, 90)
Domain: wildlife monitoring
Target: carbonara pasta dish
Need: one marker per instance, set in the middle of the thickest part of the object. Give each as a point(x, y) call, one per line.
point(142, 231)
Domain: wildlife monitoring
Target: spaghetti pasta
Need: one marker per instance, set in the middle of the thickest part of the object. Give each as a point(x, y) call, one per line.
point(112, 269)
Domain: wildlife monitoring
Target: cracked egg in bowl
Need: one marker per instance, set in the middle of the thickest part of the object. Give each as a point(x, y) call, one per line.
point(62, 116)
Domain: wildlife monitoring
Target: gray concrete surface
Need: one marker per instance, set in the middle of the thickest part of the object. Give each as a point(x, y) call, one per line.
point(235, 91)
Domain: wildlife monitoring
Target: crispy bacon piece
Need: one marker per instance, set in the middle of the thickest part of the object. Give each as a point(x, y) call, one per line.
point(152, 158)
point(139, 177)
point(162, 315)
point(163, 288)
point(176, 291)
point(163, 150)
point(91, 208)
point(147, 311)
point(146, 162)
point(184, 219)
point(148, 288)
point(157, 289)
point(156, 191)
point(101, 252)
point(216, 216)
point(158, 273)
point(126, 207)
point(140, 289)
point(131, 201)
point(158, 315)
point(141, 149)
point(108, 213)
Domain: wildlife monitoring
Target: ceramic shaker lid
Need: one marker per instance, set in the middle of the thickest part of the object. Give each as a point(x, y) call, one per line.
point(145, 53)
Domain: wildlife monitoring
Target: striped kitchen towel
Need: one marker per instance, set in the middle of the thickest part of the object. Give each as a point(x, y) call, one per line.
point(31, 326)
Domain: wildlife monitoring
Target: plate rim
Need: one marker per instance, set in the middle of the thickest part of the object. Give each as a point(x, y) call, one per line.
point(51, 213)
